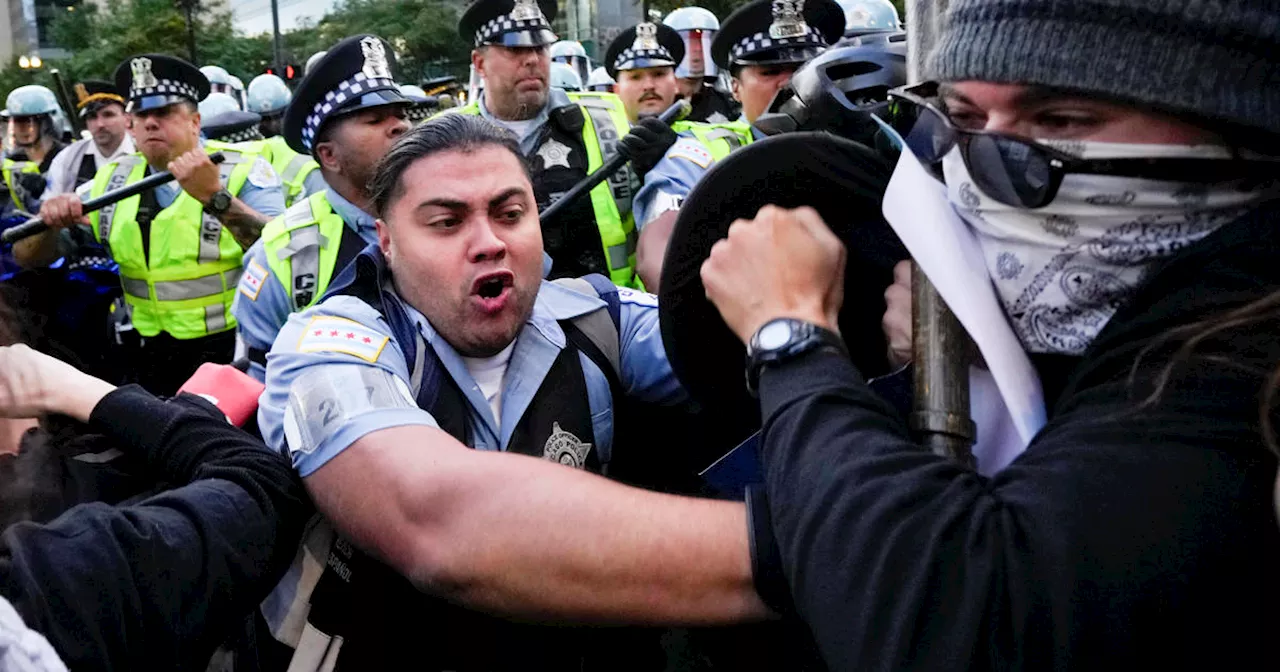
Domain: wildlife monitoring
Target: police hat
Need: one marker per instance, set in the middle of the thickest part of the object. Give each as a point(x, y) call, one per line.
point(647, 45)
point(355, 74)
point(842, 180)
point(156, 80)
point(93, 94)
point(232, 126)
point(509, 23)
point(770, 32)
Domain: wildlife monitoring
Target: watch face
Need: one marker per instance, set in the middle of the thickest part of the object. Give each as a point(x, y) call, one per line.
point(774, 335)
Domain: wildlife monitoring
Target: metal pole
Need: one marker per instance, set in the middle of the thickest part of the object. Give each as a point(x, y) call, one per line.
point(275, 36)
point(940, 417)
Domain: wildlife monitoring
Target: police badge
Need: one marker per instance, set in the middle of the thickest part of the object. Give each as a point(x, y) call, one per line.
point(375, 59)
point(646, 38)
point(788, 19)
point(142, 75)
point(565, 448)
point(525, 10)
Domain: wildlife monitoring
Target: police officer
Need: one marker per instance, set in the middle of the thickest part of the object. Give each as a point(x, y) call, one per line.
point(439, 364)
point(600, 80)
point(572, 54)
point(269, 96)
point(566, 136)
point(219, 80)
point(761, 44)
point(421, 103)
point(299, 254)
point(696, 72)
point(36, 138)
point(179, 247)
point(869, 20)
point(565, 78)
point(234, 127)
point(642, 61)
point(101, 106)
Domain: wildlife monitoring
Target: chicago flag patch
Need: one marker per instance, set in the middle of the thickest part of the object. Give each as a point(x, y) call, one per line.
point(338, 334)
point(251, 280)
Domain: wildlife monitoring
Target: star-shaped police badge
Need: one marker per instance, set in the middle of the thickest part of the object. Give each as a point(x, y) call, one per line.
point(375, 59)
point(554, 153)
point(143, 78)
point(565, 448)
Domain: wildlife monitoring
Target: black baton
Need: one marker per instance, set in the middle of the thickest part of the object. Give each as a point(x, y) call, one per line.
point(36, 225)
point(669, 116)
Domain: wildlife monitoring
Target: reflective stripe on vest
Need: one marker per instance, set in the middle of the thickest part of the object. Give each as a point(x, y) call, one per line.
point(302, 248)
point(185, 283)
point(295, 166)
point(15, 189)
point(717, 138)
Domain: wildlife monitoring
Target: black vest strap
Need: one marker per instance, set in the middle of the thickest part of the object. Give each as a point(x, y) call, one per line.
point(88, 169)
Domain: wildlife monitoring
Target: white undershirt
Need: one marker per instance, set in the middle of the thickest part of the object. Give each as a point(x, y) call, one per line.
point(520, 128)
point(488, 373)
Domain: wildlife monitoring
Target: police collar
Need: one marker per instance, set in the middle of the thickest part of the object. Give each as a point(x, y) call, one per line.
point(350, 213)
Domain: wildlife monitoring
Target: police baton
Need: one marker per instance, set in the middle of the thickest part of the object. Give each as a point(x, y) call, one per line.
point(615, 162)
point(36, 225)
point(60, 86)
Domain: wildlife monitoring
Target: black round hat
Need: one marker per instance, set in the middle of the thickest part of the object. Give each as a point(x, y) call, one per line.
point(509, 23)
point(768, 32)
point(232, 126)
point(356, 74)
point(155, 80)
point(645, 45)
point(92, 94)
point(842, 180)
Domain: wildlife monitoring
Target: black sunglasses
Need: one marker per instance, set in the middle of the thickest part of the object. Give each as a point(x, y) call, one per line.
point(1026, 174)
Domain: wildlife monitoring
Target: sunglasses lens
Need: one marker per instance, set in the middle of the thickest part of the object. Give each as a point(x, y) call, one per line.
point(924, 131)
point(1008, 170)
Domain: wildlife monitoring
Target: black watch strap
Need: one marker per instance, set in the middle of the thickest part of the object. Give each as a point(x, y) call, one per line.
point(804, 336)
point(219, 203)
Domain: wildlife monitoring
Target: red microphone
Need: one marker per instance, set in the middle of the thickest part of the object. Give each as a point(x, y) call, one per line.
point(234, 392)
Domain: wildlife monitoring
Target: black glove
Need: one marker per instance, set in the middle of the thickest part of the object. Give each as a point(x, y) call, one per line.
point(646, 144)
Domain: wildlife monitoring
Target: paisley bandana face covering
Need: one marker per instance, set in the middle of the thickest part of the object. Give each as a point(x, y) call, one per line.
point(1062, 270)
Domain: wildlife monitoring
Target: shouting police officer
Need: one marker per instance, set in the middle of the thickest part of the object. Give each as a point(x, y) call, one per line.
point(178, 246)
point(346, 113)
point(565, 136)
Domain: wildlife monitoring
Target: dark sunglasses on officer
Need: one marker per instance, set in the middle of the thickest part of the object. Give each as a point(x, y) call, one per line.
point(1026, 174)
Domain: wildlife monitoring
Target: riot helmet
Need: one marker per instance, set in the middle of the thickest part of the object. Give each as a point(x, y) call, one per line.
point(573, 55)
point(268, 95)
point(600, 81)
point(862, 17)
point(219, 80)
point(697, 28)
point(565, 77)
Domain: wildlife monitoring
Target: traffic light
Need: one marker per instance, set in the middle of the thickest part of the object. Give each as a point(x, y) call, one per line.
point(290, 71)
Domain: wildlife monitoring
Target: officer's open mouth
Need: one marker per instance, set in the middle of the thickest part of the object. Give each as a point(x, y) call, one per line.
point(491, 285)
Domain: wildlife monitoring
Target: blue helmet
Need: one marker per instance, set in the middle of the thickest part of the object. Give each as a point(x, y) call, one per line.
point(217, 103)
point(869, 16)
point(268, 95)
point(30, 101)
point(565, 77)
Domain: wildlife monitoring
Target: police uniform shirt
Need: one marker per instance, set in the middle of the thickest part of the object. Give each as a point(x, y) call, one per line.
point(66, 165)
point(262, 305)
point(313, 183)
point(670, 180)
point(529, 139)
point(339, 357)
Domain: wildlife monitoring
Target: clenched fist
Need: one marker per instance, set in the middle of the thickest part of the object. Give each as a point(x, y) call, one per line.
point(197, 174)
point(897, 322)
point(782, 263)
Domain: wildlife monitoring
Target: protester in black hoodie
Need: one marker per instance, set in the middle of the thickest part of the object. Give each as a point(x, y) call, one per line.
point(1136, 530)
point(157, 585)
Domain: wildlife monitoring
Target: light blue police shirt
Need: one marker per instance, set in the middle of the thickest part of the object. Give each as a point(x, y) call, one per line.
point(327, 387)
point(313, 183)
point(262, 304)
point(669, 182)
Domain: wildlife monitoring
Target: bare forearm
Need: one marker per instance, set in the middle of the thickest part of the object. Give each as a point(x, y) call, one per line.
point(651, 250)
point(521, 536)
point(36, 251)
point(244, 223)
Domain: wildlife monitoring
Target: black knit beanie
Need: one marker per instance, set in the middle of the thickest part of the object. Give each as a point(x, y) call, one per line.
point(1214, 59)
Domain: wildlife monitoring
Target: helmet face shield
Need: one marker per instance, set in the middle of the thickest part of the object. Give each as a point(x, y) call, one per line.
point(580, 64)
point(697, 61)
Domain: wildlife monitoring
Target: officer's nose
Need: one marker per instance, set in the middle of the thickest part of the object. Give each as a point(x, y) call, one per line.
point(485, 243)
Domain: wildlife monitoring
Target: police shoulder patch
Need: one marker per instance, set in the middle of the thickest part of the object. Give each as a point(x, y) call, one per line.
point(326, 333)
point(262, 175)
point(252, 279)
point(690, 150)
point(636, 298)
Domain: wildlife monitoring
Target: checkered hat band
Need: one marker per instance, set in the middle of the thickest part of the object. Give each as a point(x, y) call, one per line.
point(245, 135)
point(355, 87)
point(165, 87)
point(762, 42)
point(505, 24)
point(629, 55)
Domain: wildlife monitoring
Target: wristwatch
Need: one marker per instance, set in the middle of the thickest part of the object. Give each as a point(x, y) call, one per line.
point(219, 203)
point(783, 339)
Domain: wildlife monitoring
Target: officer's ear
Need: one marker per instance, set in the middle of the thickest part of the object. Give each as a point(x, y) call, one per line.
point(477, 60)
point(735, 87)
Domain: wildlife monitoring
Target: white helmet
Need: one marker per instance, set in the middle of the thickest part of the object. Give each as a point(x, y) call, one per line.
point(572, 54)
point(697, 27)
point(600, 81)
point(565, 77)
point(869, 16)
